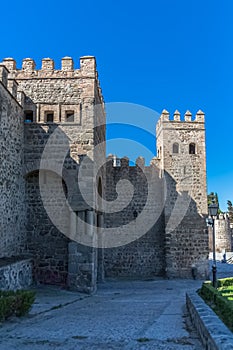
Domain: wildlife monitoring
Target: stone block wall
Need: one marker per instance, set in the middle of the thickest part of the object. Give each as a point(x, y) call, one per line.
point(212, 331)
point(46, 244)
point(186, 234)
point(15, 274)
point(143, 257)
point(223, 235)
point(12, 202)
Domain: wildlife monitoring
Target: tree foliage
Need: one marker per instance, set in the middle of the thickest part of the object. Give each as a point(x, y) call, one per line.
point(230, 210)
point(213, 198)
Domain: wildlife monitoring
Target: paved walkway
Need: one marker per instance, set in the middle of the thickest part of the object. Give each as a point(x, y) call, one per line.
point(121, 315)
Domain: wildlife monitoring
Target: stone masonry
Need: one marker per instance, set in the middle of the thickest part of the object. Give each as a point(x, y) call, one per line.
point(12, 205)
point(177, 243)
point(223, 234)
point(51, 122)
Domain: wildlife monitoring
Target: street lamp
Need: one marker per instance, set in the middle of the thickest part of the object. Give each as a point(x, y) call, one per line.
point(213, 211)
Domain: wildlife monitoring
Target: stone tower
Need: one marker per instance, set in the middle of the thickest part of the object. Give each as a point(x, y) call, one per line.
point(182, 162)
point(223, 234)
point(62, 108)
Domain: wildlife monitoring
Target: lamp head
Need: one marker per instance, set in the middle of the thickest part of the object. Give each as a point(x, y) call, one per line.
point(213, 209)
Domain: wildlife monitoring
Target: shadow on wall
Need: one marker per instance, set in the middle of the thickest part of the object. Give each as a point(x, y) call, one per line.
point(49, 247)
point(176, 242)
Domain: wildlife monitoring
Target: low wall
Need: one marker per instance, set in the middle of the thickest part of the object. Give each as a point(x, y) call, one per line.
point(15, 274)
point(213, 333)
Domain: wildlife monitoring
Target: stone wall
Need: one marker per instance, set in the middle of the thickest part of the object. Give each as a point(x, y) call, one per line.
point(223, 236)
point(47, 245)
point(15, 274)
point(177, 244)
point(12, 203)
point(212, 331)
point(143, 257)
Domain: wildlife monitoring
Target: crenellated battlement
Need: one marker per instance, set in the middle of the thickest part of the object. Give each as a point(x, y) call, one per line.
point(116, 162)
point(87, 76)
point(187, 118)
point(47, 70)
point(223, 216)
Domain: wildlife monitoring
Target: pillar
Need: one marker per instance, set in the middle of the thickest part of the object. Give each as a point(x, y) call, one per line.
point(82, 265)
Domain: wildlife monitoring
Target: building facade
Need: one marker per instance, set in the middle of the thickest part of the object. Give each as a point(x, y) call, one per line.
point(55, 177)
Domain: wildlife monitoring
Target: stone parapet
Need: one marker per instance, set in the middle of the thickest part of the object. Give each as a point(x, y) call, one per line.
point(29, 71)
point(45, 84)
point(213, 333)
point(15, 274)
point(223, 235)
point(177, 122)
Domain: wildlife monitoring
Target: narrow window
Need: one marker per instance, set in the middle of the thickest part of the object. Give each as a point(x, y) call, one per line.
point(49, 116)
point(70, 116)
point(175, 148)
point(28, 116)
point(192, 148)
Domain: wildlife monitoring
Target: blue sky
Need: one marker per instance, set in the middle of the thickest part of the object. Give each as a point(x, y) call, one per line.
point(156, 53)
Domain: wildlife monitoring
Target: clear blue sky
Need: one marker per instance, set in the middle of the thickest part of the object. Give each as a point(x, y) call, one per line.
point(156, 53)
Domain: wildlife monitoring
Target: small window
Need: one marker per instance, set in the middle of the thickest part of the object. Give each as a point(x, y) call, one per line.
point(192, 148)
point(49, 117)
point(28, 116)
point(175, 148)
point(69, 116)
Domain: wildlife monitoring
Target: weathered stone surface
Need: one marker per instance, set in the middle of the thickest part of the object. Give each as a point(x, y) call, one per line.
point(184, 170)
point(64, 109)
point(12, 213)
point(223, 234)
point(15, 274)
point(144, 257)
point(178, 241)
point(212, 331)
point(53, 102)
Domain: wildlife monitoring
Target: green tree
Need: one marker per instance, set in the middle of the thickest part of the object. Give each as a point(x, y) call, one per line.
point(230, 210)
point(213, 198)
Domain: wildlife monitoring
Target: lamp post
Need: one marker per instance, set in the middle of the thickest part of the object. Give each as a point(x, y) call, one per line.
point(213, 211)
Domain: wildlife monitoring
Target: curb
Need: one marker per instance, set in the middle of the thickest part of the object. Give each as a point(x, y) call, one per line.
point(212, 331)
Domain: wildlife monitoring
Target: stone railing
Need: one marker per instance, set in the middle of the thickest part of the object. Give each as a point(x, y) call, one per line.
point(213, 333)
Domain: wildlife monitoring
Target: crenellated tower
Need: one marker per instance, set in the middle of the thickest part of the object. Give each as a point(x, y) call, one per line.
point(181, 149)
point(64, 105)
point(182, 161)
